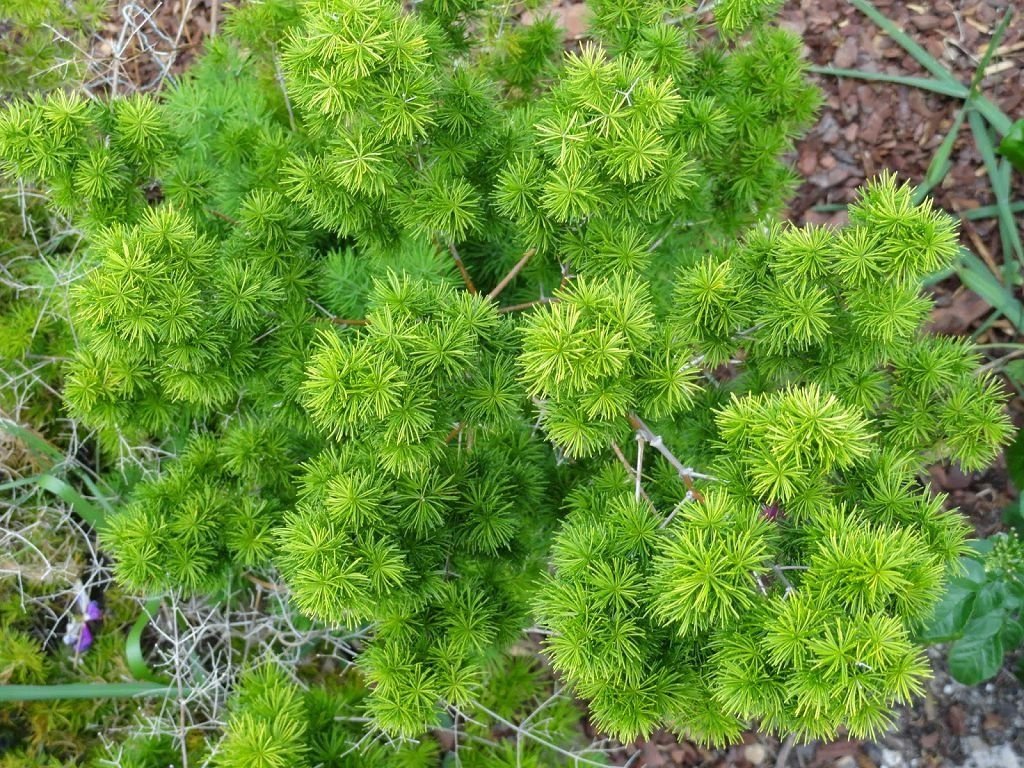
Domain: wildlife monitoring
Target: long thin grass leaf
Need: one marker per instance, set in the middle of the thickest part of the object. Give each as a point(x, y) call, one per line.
point(990, 211)
point(42, 448)
point(940, 164)
point(990, 49)
point(136, 659)
point(956, 90)
point(921, 56)
point(21, 482)
point(998, 119)
point(975, 275)
point(1000, 181)
point(945, 81)
point(10, 693)
point(938, 277)
point(83, 507)
point(32, 440)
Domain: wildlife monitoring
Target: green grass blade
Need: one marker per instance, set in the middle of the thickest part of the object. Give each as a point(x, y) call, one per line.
point(921, 56)
point(42, 448)
point(990, 49)
point(133, 643)
point(1000, 181)
point(102, 495)
point(32, 440)
point(999, 120)
point(990, 211)
point(938, 277)
point(21, 482)
point(940, 164)
point(85, 509)
point(995, 116)
point(975, 275)
point(956, 90)
point(11, 693)
point(59, 488)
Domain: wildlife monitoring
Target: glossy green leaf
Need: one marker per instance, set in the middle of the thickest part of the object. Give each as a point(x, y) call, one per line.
point(978, 655)
point(991, 599)
point(973, 574)
point(950, 617)
point(1015, 460)
point(1012, 634)
point(1012, 145)
point(981, 547)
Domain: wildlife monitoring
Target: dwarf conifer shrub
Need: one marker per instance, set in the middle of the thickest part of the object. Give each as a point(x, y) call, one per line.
point(460, 333)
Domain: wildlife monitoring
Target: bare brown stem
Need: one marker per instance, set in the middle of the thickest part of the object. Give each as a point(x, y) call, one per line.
point(223, 216)
point(456, 431)
point(527, 305)
point(462, 268)
point(511, 274)
point(270, 587)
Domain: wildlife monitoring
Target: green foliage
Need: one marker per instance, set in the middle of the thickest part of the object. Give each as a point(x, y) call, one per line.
point(55, 731)
point(368, 545)
point(980, 612)
point(597, 354)
point(275, 722)
point(40, 49)
point(797, 614)
point(42, 40)
point(1012, 145)
point(392, 289)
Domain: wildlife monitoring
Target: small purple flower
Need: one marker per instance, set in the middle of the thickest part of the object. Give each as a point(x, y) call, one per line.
point(93, 612)
point(79, 635)
point(84, 639)
point(771, 511)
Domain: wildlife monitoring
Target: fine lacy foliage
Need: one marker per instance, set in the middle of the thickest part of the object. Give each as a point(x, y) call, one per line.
point(393, 295)
point(797, 615)
point(275, 722)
